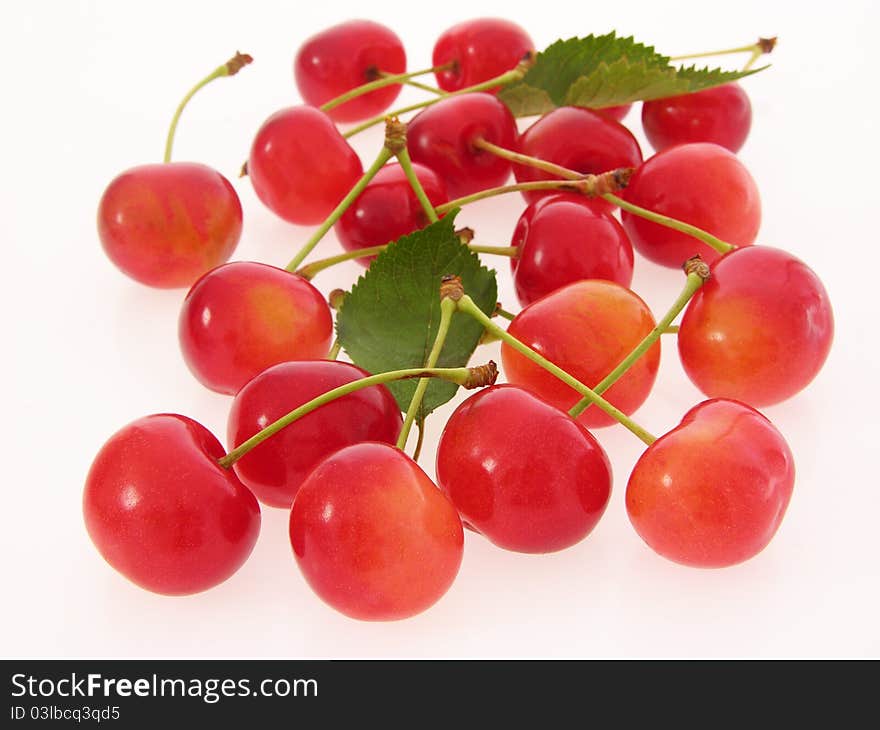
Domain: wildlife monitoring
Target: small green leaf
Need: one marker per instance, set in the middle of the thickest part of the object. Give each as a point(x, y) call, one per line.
point(600, 71)
point(389, 319)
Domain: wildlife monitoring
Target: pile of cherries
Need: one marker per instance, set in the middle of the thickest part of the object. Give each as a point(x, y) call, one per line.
point(374, 536)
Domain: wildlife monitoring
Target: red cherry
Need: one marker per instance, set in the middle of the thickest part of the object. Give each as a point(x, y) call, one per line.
point(617, 113)
point(586, 328)
point(163, 512)
point(373, 535)
point(275, 469)
point(562, 239)
point(759, 329)
point(712, 492)
point(388, 209)
point(165, 225)
point(523, 473)
point(722, 115)
point(480, 49)
point(300, 165)
point(442, 137)
point(701, 184)
point(345, 56)
point(242, 317)
point(580, 139)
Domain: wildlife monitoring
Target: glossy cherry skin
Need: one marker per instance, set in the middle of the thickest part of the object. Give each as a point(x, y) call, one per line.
point(721, 115)
point(759, 329)
point(343, 57)
point(521, 472)
point(301, 167)
point(713, 491)
point(373, 535)
point(388, 209)
point(480, 49)
point(442, 137)
point(163, 512)
point(563, 239)
point(701, 184)
point(165, 225)
point(242, 317)
point(617, 113)
point(586, 328)
point(274, 470)
point(580, 139)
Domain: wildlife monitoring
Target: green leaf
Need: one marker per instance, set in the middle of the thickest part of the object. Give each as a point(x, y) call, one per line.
point(389, 319)
point(600, 71)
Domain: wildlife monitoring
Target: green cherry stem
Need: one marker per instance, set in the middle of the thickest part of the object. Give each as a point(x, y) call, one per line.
point(460, 376)
point(763, 45)
point(664, 220)
point(509, 316)
point(521, 159)
point(447, 309)
point(417, 452)
point(756, 54)
point(384, 79)
point(467, 305)
point(698, 272)
point(671, 330)
point(358, 188)
point(509, 251)
point(425, 87)
point(417, 85)
point(573, 186)
point(504, 79)
point(406, 165)
point(230, 68)
point(335, 349)
point(309, 271)
point(574, 176)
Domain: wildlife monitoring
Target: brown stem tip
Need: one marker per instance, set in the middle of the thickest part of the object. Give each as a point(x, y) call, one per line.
point(237, 63)
point(767, 44)
point(451, 287)
point(696, 265)
point(335, 299)
point(527, 61)
point(465, 235)
point(244, 171)
point(612, 181)
point(481, 376)
point(395, 135)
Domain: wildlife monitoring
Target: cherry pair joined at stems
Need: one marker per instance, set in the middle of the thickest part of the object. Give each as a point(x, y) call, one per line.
point(665, 192)
point(678, 511)
point(164, 508)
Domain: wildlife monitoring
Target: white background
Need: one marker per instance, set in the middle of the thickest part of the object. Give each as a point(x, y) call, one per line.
point(88, 89)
